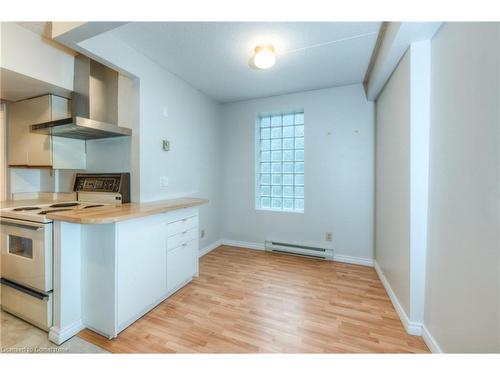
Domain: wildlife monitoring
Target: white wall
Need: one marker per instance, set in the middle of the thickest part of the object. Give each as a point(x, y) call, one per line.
point(23, 180)
point(171, 109)
point(462, 296)
point(31, 180)
point(338, 172)
point(392, 189)
point(58, 180)
point(419, 180)
point(402, 169)
point(38, 58)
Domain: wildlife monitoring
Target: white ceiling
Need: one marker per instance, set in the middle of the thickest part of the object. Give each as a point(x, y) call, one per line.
point(15, 86)
point(214, 56)
point(40, 28)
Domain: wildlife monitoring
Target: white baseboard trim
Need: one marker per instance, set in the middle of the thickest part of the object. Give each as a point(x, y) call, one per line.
point(431, 341)
point(210, 247)
point(352, 260)
point(336, 258)
point(412, 328)
point(58, 336)
point(248, 245)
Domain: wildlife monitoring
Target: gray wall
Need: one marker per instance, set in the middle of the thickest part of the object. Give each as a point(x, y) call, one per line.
point(338, 172)
point(392, 187)
point(462, 293)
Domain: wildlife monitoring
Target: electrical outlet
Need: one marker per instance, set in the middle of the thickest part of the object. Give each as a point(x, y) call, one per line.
point(163, 181)
point(328, 236)
point(202, 234)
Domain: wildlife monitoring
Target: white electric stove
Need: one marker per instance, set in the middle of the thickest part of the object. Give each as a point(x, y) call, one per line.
point(26, 244)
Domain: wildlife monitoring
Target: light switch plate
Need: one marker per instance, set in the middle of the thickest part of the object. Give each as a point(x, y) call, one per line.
point(166, 145)
point(163, 181)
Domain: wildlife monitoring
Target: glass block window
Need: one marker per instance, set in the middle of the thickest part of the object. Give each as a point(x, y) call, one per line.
point(280, 162)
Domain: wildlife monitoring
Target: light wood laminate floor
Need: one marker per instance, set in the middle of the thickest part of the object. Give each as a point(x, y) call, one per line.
point(248, 301)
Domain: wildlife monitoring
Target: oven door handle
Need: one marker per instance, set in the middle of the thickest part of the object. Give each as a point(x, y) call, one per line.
point(21, 224)
point(23, 289)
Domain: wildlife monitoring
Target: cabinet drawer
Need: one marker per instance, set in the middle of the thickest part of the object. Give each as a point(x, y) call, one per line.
point(182, 264)
point(181, 238)
point(182, 225)
point(32, 309)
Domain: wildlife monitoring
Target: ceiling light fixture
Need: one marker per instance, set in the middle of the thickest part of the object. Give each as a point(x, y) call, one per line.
point(265, 56)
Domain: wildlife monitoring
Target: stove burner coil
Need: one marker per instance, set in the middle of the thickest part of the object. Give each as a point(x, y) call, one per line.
point(49, 211)
point(69, 204)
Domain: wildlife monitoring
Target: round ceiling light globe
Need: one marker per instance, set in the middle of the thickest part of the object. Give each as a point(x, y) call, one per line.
point(265, 56)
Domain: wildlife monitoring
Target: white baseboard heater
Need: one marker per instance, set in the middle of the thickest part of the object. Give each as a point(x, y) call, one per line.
point(299, 250)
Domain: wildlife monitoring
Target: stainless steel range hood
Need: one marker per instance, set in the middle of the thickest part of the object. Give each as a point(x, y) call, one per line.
point(94, 105)
point(81, 128)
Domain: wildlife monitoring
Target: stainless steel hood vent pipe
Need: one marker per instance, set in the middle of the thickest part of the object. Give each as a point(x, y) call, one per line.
point(94, 105)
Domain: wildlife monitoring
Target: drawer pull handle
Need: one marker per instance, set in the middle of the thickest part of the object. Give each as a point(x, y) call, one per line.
point(184, 232)
point(13, 223)
point(184, 219)
point(184, 244)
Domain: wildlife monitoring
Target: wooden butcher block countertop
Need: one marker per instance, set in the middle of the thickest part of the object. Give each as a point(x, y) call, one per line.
point(114, 213)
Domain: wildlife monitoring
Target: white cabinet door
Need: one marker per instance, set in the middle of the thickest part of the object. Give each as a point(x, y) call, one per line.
point(38, 110)
point(19, 116)
point(26, 148)
point(182, 264)
point(17, 135)
point(141, 266)
point(39, 145)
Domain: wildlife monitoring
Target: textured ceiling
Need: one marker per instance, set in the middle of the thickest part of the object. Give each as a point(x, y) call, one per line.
point(214, 56)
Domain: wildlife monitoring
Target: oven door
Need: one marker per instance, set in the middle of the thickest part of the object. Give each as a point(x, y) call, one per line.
point(26, 249)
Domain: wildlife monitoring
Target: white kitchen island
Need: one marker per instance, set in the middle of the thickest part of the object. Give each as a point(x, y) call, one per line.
point(114, 264)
